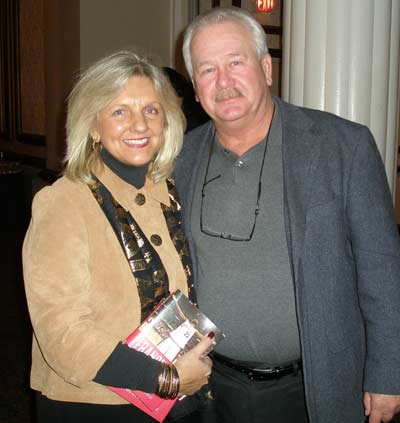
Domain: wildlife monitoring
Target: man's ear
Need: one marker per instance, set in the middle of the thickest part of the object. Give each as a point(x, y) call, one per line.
point(266, 64)
point(195, 93)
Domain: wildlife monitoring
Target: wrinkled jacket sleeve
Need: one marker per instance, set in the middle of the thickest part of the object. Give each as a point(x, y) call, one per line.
point(376, 247)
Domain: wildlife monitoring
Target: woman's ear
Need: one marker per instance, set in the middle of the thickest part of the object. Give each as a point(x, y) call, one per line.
point(95, 135)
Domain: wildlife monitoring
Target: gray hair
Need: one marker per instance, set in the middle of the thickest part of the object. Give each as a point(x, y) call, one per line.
point(94, 90)
point(217, 15)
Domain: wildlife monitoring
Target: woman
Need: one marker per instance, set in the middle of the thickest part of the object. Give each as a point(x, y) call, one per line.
point(105, 246)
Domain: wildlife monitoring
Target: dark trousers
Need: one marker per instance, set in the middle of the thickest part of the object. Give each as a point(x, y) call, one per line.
point(237, 399)
point(50, 411)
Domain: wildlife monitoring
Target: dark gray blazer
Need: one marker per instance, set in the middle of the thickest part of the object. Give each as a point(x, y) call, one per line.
point(344, 249)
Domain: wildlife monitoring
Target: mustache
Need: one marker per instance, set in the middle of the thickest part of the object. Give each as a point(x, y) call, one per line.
point(228, 93)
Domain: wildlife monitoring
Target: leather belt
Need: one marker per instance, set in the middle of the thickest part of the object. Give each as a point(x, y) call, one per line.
point(255, 373)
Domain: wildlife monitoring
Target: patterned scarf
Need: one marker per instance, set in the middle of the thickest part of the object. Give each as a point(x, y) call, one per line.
point(146, 266)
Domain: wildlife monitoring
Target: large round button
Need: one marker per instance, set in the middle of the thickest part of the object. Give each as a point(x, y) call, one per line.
point(140, 199)
point(156, 240)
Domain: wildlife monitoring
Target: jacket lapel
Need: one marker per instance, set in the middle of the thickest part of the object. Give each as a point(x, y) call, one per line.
point(189, 169)
point(299, 155)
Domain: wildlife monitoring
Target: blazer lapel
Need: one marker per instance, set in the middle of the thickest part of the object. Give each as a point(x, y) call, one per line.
point(196, 149)
point(299, 155)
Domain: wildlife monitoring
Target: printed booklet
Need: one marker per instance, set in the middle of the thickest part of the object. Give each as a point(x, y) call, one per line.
point(173, 328)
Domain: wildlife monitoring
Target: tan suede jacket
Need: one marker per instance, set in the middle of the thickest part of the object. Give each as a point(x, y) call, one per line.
point(81, 293)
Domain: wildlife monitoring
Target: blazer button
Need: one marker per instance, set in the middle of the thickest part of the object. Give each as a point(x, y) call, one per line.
point(140, 199)
point(156, 240)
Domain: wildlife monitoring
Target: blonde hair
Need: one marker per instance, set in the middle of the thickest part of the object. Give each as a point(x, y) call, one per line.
point(94, 90)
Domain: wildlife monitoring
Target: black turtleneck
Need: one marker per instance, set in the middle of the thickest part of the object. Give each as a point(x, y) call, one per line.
point(134, 175)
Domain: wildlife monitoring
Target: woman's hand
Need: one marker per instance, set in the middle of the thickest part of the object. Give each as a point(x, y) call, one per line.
point(194, 367)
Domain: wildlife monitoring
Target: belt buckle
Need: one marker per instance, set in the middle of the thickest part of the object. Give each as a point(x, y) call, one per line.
point(271, 373)
point(263, 374)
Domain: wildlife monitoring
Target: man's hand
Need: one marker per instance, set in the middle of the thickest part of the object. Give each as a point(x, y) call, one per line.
point(380, 407)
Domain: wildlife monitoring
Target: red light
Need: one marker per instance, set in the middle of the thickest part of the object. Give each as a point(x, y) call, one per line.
point(265, 5)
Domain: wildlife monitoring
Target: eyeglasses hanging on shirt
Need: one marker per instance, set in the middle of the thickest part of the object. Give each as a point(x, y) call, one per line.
point(207, 226)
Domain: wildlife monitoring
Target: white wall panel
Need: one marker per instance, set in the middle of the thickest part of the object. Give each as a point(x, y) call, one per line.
point(343, 57)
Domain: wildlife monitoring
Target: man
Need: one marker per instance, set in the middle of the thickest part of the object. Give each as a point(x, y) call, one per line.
point(297, 254)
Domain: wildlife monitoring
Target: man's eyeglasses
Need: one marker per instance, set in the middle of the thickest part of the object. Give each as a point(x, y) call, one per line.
point(231, 237)
point(216, 234)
